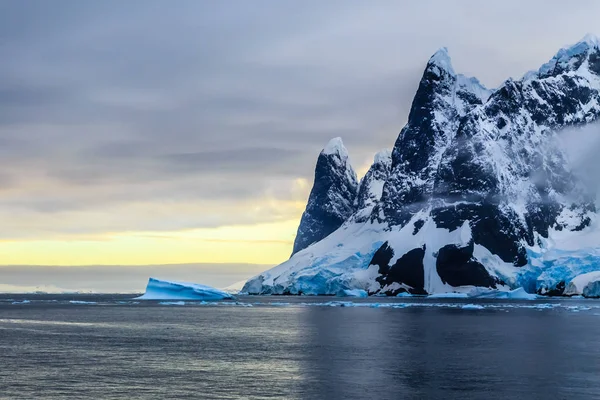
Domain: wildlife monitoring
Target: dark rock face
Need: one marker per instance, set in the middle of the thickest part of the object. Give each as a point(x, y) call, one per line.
point(407, 271)
point(371, 185)
point(491, 159)
point(441, 100)
point(497, 231)
point(332, 198)
point(557, 290)
point(456, 266)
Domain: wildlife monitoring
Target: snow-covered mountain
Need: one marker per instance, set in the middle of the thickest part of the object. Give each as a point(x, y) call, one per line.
point(476, 191)
point(331, 199)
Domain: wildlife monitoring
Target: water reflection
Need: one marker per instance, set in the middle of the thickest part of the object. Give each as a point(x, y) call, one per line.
point(447, 353)
point(56, 350)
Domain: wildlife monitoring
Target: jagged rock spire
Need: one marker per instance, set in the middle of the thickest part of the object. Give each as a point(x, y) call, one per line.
point(331, 200)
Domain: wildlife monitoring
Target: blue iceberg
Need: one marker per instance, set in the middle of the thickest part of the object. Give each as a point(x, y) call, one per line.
point(165, 290)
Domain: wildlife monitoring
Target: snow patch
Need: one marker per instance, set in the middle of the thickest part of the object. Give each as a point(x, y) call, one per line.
point(336, 146)
point(442, 60)
point(383, 157)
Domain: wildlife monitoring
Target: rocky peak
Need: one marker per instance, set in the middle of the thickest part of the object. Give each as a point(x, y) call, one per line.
point(442, 99)
point(583, 54)
point(371, 185)
point(331, 200)
point(440, 63)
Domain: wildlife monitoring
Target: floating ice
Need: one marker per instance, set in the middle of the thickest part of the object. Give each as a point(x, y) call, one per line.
point(450, 295)
point(352, 293)
point(472, 307)
point(517, 294)
point(164, 290)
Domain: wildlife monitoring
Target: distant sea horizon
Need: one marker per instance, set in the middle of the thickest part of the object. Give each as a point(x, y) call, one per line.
point(118, 278)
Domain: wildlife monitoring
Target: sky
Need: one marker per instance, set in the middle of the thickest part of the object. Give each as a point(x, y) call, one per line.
point(147, 132)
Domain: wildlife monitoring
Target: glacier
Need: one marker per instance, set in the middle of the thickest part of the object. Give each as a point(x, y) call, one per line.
point(157, 289)
point(476, 196)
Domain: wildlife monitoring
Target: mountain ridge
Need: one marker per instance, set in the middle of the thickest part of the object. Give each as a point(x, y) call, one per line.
point(474, 184)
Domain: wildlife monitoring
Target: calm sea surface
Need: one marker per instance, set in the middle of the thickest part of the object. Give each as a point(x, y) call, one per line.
point(108, 347)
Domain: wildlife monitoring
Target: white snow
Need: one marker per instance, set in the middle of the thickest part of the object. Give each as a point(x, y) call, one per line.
point(336, 146)
point(383, 157)
point(165, 290)
point(565, 55)
point(442, 60)
point(473, 85)
point(336, 263)
point(591, 39)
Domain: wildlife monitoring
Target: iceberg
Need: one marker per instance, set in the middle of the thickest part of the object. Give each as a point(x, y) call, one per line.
point(165, 290)
point(352, 293)
point(517, 294)
point(587, 285)
point(448, 295)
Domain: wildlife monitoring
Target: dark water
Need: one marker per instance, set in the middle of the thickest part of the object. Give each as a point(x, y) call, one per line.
point(398, 349)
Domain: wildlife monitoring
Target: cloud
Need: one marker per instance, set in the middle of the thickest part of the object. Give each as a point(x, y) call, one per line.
point(581, 146)
point(141, 115)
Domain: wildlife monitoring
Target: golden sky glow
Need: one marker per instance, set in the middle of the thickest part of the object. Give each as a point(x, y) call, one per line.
point(257, 244)
point(267, 243)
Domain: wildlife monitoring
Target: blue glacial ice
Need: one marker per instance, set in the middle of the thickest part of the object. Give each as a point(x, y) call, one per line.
point(449, 295)
point(551, 268)
point(165, 290)
point(592, 289)
point(352, 293)
point(516, 294)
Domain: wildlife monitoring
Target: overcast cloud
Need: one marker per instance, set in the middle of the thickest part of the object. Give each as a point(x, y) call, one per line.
point(162, 115)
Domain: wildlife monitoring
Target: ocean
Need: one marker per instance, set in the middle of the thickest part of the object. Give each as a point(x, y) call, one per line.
point(112, 347)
